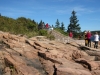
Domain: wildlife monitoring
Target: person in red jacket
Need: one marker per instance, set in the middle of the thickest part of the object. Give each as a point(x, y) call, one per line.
point(88, 35)
point(70, 34)
point(47, 26)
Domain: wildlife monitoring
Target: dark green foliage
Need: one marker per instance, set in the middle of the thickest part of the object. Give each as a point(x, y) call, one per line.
point(50, 37)
point(61, 31)
point(62, 26)
point(74, 26)
point(52, 26)
point(57, 24)
point(43, 32)
point(41, 25)
point(20, 25)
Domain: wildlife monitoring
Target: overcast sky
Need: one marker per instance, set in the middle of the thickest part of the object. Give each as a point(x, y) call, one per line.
point(87, 11)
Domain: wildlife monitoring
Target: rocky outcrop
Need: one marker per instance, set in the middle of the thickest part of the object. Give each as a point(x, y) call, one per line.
point(32, 56)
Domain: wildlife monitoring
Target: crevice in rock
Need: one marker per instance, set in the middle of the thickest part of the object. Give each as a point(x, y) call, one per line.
point(85, 64)
point(84, 48)
point(55, 70)
point(9, 67)
point(43, 55)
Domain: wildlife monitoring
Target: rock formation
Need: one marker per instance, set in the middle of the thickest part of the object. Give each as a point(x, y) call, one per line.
point(31, 56)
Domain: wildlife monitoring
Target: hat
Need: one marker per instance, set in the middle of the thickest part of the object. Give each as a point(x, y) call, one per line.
point(85, 32)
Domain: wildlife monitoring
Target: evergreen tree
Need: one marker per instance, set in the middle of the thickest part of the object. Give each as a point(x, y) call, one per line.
point(57, 24)
point(40, 26)
point(62, 26)
point(74, 26)
point(52, 25)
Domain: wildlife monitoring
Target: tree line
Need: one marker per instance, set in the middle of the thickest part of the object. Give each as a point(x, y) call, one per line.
point(29, 27)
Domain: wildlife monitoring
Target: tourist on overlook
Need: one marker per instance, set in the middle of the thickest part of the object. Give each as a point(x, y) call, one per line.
point(86, 41)
point(47, 26)
point(88, 36)
point(96, 40)
point(70, 34)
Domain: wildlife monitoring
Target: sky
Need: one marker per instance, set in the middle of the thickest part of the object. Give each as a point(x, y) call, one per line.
point(87, 11)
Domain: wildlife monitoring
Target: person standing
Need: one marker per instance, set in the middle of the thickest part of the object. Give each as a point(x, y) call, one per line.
point(47, 26)
point(96, 40)
point(85, 37)
point(70, 37)
point(88, 35)
point(70, 34)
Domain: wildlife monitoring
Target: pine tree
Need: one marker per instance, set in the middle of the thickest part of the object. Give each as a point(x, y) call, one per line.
point(74, 26)
point(40, 26)
point(62, 26)
point(57, 24)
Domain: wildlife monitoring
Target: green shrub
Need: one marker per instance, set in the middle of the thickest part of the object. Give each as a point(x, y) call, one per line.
point(31, 34)
point(61, 31)
point(43, 32)
point(50, 37)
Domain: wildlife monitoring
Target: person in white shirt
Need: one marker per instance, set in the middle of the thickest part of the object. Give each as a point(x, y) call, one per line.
point(96, 40)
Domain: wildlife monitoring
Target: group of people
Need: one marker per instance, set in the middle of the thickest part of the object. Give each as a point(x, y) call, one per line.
point(45, 26)
point(88, 37)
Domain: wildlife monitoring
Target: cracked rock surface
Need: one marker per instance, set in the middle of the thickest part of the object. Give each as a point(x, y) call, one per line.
point(29, 56)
